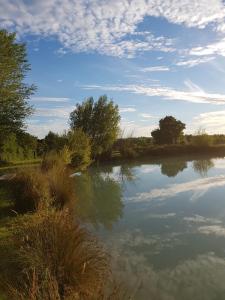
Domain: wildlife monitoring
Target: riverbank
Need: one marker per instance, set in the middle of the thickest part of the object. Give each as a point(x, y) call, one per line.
point(18, 164)
point(134, 152)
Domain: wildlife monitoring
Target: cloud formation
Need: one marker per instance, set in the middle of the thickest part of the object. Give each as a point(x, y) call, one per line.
point(198, 187)
point(196, 95)
point(212, 122)
point(155, 69)
point(192, 62)
point(108, 27)
point(49, 99)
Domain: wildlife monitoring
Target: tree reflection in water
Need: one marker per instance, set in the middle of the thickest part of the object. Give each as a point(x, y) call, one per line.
point(171, 168)
point(99, 199)
point(202, 166)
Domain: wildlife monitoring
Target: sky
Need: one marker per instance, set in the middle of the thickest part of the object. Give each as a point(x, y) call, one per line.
point(152, 57)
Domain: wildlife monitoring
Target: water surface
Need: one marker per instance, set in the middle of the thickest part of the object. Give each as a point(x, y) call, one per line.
point(163, 221)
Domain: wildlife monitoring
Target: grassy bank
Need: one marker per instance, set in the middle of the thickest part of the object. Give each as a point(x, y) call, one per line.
point(131, 151)
point(19, 163)
point(46, 253)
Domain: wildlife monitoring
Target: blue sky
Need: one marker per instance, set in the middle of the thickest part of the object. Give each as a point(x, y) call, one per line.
point(152, 57)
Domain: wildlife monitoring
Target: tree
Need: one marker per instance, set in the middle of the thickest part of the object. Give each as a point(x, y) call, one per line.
point(14, 93)
point(54, 142)
point(170, 131)
point(99, 120)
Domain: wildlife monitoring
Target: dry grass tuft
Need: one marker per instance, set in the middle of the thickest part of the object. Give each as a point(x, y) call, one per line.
point(30, 191)
point(56, 259)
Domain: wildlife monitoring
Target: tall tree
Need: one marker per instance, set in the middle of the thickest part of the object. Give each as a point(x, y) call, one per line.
point(14, 93)
point(170, 131)
point(99, 120)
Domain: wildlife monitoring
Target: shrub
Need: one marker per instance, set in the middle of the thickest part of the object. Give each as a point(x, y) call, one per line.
point(61, 186)
point(202, 139)
point(55, 259)
point(79, 145)
point(127, 148)
point(36, 189)
point(30, 190)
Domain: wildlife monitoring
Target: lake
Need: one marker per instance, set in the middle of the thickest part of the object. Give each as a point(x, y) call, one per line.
point(163, 222)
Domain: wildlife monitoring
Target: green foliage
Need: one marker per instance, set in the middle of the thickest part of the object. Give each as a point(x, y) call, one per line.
point(80, 148)
point(52, 142)
point(99, 199)
point(170, 131)
point(99, 120)
point(14, 93)
point(202, 139)
point(18, 147)
point(172, 168)
point(127, 148)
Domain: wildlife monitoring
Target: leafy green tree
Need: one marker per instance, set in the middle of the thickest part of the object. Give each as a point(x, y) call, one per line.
point(99, 120)
point(80, 148)
point(53, 142)
point(170, 131)
point(14, 93)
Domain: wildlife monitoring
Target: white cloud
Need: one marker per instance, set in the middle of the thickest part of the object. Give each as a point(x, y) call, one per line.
point(40, 129)
point(56, 112)
point(196, 96)
point(212, 122)
point(215, 48)
point(213, 229)
point(193, 87)
point(198, 187)
point(49, 99)
point(155, 69)
point(189, 63)
point(109, 27)
point(127, 109)
point(147, 116)
point(131, 128)
point(200, 219)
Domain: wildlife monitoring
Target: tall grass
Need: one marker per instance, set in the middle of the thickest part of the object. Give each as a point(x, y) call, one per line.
point(30, 190)
point(47, 254)
point(55, 259)
point(37, 188)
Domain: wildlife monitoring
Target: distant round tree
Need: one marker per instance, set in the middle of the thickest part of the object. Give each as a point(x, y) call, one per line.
point(170, 131)
point(99, 120)
point(14, 93)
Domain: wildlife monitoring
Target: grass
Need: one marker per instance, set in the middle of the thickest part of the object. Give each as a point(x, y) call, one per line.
point(45, 253)
point(19, 164)
point(52, 257)
point(131, 151)
point(6, 216)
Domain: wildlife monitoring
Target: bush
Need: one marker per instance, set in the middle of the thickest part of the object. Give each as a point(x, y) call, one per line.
point(37, 189)
point(55, 259)
point(61, 186)
point(79, 145)
point(127, 148)
point(30, 190)
point(202, 139)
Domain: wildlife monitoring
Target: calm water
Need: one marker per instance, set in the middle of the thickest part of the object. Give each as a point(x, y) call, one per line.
point(164, 224)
